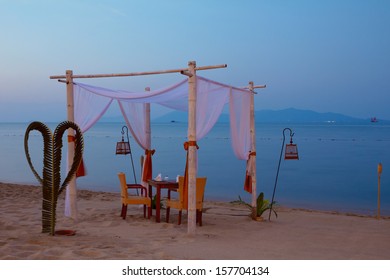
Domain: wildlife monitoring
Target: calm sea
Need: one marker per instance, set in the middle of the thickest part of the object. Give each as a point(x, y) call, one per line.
point(337, 169)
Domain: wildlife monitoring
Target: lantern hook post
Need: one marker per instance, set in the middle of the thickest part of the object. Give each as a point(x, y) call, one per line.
point(129, 151)
point(277, 172)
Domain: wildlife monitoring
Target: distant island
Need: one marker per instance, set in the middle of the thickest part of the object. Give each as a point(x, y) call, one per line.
point(290, 115)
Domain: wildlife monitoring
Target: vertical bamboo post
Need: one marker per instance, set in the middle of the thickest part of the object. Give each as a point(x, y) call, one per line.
point(148, 129)
point(192, 151)
point(71, 192)
point(379, 190)
point(148, 132)
point(253, 149)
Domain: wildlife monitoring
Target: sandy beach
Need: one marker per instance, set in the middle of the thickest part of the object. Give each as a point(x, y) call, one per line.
point(227, 233)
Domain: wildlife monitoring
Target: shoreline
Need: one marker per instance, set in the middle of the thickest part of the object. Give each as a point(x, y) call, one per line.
point(227, 232)
point(211, 199)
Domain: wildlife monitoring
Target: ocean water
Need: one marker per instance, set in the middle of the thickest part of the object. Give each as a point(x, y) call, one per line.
point(337, 169)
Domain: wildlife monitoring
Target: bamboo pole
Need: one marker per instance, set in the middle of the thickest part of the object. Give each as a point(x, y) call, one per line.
point(379, 190)
point(210, 67)
point(138, 73)
point(148, 132)
point(251, 87)
point(148, 129)
point(192, 151)
point(71, 190)
point(260, 86)
point(253, 149)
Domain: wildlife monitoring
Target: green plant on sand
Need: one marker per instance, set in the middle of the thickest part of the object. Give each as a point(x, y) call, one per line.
point(51, 177)
point(262, 205)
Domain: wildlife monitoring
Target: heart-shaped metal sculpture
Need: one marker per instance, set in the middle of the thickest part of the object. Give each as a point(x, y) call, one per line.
point(51, 177)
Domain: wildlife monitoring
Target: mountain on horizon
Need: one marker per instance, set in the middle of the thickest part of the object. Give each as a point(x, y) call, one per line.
point(298, 115)
point(277, 116)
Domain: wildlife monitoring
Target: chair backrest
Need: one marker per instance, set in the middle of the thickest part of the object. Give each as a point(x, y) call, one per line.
point(180, 190)
point(122, 180)
point(200, 188)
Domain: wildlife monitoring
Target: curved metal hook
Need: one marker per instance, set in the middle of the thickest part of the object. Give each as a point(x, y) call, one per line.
point(131, 156)
point(291, 134)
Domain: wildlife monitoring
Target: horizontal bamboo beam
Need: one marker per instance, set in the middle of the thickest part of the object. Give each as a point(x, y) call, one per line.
point(211, 67)
point(118, 75)
point(260, 86)
point(138, 73)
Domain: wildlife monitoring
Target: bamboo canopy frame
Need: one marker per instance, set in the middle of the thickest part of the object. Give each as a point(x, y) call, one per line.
point(192, 151)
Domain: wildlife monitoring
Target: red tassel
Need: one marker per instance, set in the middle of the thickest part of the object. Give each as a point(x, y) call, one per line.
point(148, 165)
point(248, 183)
point(185, 189)
point(81, 171)
point(248, 178)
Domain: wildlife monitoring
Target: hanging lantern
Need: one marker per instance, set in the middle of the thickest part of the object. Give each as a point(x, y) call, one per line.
point(291, 151)
point(122, 148)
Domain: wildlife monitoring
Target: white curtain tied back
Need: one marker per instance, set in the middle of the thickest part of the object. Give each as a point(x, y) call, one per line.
point(91, 102)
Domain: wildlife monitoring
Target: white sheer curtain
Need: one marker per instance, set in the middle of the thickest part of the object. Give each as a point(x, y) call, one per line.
point(240, 133)
point(91, 102)
point(88, 106)
point(165, 96)
point(134, 115)
point(240, 123)
point(210, 100)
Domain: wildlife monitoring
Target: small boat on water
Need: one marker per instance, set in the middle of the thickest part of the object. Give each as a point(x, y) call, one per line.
point(374, 119)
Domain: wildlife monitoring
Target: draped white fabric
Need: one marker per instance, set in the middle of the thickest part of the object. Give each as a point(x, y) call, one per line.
point(91, 103)
point(240, 124)
point(174, 97)
point(211, 97)
point(134, 115)
point(88, 107)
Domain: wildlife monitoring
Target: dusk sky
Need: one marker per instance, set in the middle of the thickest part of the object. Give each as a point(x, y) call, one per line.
point(326, 56)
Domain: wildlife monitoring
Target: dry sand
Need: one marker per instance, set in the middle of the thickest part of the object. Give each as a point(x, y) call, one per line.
point(227, 232)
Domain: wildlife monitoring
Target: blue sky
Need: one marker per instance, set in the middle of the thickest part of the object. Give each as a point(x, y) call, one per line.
point(327, 56)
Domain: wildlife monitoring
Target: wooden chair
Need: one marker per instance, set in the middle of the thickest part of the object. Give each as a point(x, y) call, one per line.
point(181, 202)
point(133, 199)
